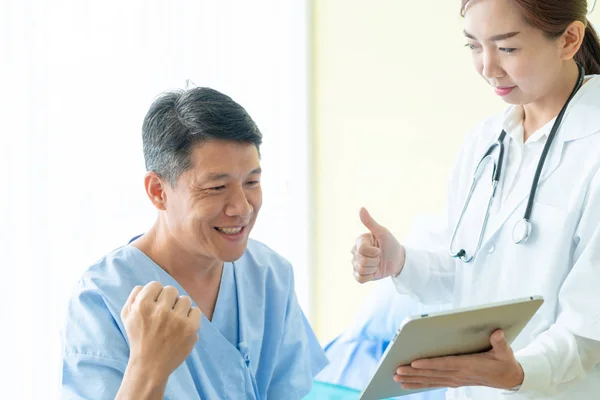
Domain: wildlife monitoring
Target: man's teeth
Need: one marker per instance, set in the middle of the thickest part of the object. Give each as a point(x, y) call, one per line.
point(230, 231)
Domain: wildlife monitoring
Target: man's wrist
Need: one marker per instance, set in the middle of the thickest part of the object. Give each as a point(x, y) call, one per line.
point(147, 379)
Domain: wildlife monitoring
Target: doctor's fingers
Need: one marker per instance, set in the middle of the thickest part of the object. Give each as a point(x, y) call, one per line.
point(367, 261)
point(363, 278)
point(366, 239)
point(361, 270)
point(368, 250)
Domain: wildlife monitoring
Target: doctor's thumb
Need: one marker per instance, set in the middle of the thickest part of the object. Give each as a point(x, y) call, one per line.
point(499, 344)
point(370, 223)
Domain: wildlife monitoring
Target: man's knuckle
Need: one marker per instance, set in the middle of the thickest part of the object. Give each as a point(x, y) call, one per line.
point(170, 290)
point(154, 284)
point(142, 307)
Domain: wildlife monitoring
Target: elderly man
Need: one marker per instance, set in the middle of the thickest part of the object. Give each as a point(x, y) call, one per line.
point(192, 309)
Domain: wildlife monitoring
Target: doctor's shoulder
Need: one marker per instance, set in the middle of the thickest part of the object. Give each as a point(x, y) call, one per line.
point(487, 129)
point(478, 139)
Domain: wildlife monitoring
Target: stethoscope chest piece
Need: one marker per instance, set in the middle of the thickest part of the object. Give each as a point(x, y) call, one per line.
point(521, 231)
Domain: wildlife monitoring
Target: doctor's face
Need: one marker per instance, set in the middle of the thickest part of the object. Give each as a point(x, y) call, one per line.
point(518, 61)
point(214, 204)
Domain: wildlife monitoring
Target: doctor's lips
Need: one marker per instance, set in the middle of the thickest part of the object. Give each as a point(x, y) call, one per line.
point(503, 90)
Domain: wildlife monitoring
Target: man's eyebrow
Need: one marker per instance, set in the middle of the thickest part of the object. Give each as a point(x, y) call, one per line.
point(214, 177)
point(494, 38)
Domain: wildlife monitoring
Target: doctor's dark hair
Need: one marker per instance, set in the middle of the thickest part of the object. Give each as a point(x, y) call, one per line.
point(553, 17)
point(179, 120)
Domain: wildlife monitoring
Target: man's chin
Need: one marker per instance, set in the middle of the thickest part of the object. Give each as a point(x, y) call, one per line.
point(231, 255)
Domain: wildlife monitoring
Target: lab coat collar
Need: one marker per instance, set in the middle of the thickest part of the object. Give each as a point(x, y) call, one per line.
point(582, 117)
point(581, 120)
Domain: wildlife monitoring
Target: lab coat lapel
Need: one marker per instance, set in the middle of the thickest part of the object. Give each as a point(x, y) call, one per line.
point(581, 120)
point(517, 200)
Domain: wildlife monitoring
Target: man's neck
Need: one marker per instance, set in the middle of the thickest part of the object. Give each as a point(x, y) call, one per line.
point(172, 257)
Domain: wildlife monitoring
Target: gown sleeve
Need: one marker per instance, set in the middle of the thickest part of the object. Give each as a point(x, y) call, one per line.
point(95, 352)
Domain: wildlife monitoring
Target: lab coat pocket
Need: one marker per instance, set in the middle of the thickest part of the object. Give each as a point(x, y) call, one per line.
point(552, 227)
point(540, 265)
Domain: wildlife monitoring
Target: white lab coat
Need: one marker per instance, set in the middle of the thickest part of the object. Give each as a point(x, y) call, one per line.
point(560, 348)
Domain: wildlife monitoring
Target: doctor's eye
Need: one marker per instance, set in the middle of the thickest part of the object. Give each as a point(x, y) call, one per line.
point(252, 183)
point(471, 46)
point(507, 49)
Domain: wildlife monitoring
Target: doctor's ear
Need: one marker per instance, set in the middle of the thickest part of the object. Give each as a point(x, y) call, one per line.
point(571, 40)
point(155, 190)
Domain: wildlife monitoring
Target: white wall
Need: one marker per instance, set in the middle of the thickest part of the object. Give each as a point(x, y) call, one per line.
point(77, 79)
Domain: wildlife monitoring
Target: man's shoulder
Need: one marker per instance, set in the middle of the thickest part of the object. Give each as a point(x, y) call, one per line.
point(109, 280)
point(93, 328)
point(109, 270)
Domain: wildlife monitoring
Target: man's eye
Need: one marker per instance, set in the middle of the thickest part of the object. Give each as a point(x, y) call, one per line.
point(252, 183)
point(217, 188)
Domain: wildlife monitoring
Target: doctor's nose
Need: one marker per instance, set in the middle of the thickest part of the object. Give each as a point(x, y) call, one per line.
point(490, 69)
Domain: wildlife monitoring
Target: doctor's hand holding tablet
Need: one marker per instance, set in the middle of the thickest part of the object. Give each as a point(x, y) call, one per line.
point(519, 254)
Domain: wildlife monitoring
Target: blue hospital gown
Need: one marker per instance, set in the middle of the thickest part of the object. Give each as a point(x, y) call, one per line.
point(258, 345)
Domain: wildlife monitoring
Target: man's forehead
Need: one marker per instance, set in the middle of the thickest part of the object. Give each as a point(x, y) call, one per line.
point(218, 159)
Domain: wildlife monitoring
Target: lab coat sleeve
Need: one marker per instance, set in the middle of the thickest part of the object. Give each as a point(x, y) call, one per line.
point(566, 352)
point(300, 357)
point(95, 353)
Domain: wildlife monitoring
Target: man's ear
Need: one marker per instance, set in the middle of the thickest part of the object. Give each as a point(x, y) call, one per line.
point(155, 190)
point(572, 39)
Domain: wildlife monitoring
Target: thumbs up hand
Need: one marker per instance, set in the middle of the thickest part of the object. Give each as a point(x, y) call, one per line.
point(376, 254)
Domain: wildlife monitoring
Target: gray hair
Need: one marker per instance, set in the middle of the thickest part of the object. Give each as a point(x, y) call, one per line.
point(179, 120)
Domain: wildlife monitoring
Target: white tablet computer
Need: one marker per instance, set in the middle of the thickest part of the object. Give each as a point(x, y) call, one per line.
point(453, 332)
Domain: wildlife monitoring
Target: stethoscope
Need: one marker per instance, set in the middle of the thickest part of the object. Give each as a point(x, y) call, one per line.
point(522, 229)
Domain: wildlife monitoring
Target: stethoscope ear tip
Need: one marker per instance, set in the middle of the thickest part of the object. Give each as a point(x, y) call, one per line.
point(591, 6)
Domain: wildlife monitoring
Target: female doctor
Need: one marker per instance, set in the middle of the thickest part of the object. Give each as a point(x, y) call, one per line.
point(523, 210)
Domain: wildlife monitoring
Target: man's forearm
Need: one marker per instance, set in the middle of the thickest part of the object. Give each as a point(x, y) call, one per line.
point(141, 383)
